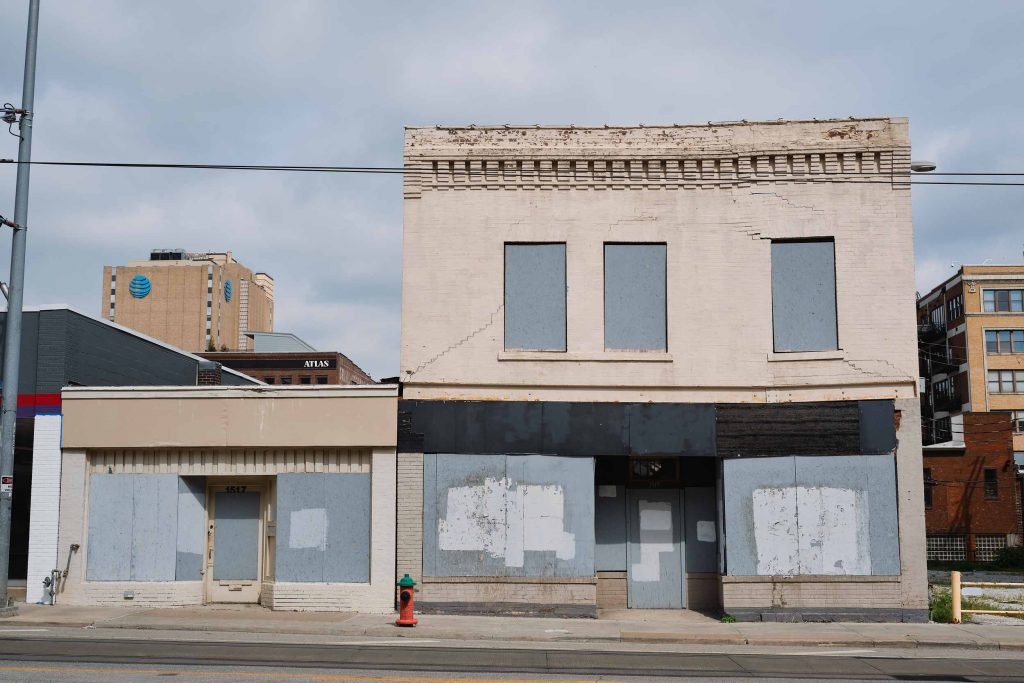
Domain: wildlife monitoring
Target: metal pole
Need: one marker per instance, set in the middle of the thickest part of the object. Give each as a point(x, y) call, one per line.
point(956, 595)
point(12, 328)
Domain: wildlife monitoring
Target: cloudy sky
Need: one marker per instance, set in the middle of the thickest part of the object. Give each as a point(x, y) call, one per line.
point(326, 82)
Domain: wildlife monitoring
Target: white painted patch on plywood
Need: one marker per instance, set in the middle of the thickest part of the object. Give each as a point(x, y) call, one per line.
point(506, 521)
point(811, 530)
point(655, 539)
point(706, 532)
point(834, 536)
point(308, 529)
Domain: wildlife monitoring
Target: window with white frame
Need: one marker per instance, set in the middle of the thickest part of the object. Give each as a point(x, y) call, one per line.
point(946, 548)
point(1003, 300)
point(1004, 341)
point(987, 546)
point(1006, 381)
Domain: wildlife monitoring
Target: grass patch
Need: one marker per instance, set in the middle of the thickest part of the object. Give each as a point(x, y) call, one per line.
point(940, 609)
point(728, 619)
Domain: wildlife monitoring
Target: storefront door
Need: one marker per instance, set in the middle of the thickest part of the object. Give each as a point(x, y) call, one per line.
point(234, 545)
point(655, 549)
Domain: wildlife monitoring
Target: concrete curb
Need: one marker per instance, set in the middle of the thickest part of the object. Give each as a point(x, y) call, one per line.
point(652, 637)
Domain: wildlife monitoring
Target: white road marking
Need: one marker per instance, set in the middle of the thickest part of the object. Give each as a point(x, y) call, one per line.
point(22, 630)
point(395, 641)
point(818, 653)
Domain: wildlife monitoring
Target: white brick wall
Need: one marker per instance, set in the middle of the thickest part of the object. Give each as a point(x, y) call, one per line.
point(410, 515)
point(45, 510)
point(718, 236)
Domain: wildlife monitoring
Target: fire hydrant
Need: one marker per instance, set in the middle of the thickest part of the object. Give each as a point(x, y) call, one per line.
point(406, 587)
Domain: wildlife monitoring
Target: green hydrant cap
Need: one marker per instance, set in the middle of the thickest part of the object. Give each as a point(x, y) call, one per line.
point(406, 582)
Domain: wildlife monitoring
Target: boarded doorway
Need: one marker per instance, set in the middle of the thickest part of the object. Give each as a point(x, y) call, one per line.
point(235, 542)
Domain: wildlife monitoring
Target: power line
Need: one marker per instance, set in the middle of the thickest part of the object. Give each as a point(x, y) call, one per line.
point(498, 172)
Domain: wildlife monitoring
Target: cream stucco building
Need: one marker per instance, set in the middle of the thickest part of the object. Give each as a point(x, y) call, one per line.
point(282, 496)
point(641, 368)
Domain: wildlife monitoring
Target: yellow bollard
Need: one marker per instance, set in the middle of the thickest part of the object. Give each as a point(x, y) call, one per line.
point(954, 582)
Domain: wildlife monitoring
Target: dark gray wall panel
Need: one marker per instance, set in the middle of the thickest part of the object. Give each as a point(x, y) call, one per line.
point(101, 355)
point(877, 426)
point(634, 297)
point(585, 429)
point(610, 528)
point(512, 427)
point(508, 516)
point(154, 527)
point(37, 376)
point(323, 527)
point(236, 536)
point(191, 533)
point(683, 429)
point(700, 517)
point(535, 297)
point(109, 550)
point(811, 515)
point(804, 296)
point(672, 428)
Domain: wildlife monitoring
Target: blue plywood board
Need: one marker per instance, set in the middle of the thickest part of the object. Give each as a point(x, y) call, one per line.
point(535, 297)
point(740, 478)
point(323, 528)
point(489, 515)
point(700, 518)
point(847, 520)
point(154, 527)
point(109, 548)
point(804, 295)
point(347, 501)
point(635, 297)
point(236, 535)
point(875, 477)
point(656, 549)
point(191, 533)
point(301, 528)
point(610, 528)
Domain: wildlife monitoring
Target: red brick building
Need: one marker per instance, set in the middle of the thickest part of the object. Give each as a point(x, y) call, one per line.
point(972, 493)
point(299, 367)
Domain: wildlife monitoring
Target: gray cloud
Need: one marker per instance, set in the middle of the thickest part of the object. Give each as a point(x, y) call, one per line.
point(254, 81)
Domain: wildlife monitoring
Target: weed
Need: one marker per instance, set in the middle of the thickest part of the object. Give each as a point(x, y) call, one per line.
point(940, 609)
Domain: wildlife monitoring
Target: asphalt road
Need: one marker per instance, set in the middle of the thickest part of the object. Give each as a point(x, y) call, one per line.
point(110, 660)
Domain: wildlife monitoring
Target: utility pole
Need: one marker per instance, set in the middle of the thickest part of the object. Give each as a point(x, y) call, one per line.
point(16, 287)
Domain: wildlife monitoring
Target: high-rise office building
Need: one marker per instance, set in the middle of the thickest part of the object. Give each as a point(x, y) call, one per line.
point(195, 301)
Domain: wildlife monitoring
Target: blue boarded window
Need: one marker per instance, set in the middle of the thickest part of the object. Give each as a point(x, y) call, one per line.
point(804, 295)
point(535, 297)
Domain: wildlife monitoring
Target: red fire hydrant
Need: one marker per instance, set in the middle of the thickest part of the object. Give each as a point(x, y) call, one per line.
point(406, 587)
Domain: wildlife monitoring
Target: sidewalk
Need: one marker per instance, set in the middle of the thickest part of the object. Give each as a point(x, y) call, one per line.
point(639, 626)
